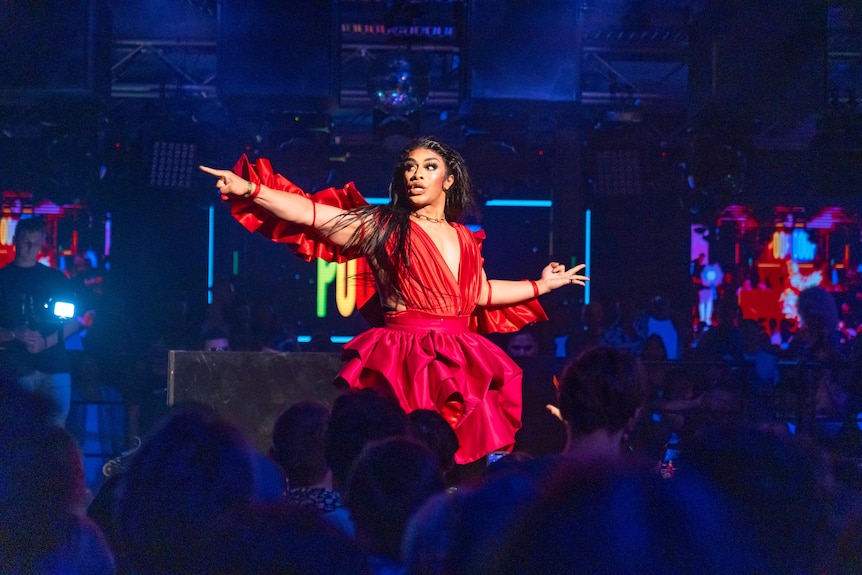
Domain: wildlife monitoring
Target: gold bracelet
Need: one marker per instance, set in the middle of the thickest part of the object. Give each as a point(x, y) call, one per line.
point(253, 191)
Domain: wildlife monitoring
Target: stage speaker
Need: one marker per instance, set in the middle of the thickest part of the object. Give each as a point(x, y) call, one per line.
point(251, 388)
point(277, 53)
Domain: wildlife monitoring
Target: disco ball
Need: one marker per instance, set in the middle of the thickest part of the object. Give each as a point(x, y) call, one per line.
point(398, 83)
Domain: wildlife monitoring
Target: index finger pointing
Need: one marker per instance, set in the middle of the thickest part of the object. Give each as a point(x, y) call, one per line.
point(210, 171)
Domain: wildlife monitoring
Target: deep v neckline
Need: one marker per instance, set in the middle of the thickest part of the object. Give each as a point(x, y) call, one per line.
point(454, 274)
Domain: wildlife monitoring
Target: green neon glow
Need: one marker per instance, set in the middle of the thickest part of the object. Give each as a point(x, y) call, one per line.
point(325, 276)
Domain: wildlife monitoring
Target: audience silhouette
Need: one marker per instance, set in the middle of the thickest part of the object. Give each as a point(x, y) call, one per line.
point(43, 526)
point(740, 458)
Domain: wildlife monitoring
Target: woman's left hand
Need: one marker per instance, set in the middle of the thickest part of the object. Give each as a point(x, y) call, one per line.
point(556, 275)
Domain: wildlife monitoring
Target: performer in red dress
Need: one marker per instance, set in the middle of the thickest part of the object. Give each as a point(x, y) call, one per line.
point(425, 350)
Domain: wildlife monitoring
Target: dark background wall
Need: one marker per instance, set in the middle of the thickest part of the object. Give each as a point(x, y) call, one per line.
point(616, 107)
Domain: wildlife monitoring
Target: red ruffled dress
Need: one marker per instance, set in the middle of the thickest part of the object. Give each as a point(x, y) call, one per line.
point(431, 355)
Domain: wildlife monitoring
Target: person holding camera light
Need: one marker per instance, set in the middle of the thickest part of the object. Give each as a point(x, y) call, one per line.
point(31, 335)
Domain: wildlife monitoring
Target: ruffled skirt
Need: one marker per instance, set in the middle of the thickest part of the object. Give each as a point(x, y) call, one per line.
point(432, 362)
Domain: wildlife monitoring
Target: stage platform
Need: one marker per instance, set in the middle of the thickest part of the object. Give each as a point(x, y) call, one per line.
point(253, 388)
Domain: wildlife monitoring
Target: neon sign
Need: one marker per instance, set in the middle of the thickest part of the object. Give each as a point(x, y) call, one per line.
point(352, 283)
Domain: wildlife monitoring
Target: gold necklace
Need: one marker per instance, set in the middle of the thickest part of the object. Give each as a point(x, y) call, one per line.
point(426, 218)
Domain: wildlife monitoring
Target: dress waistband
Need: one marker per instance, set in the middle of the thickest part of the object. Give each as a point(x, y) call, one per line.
point(419, 321)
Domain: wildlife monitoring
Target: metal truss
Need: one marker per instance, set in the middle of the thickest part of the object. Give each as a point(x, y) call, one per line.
point(163, 69)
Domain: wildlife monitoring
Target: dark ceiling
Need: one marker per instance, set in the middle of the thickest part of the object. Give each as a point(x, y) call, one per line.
point(99, 79)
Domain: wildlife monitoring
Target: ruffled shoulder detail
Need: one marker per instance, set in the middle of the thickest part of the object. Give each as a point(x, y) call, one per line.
point(479, 236)
point(305, 241)
point(508, 318)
